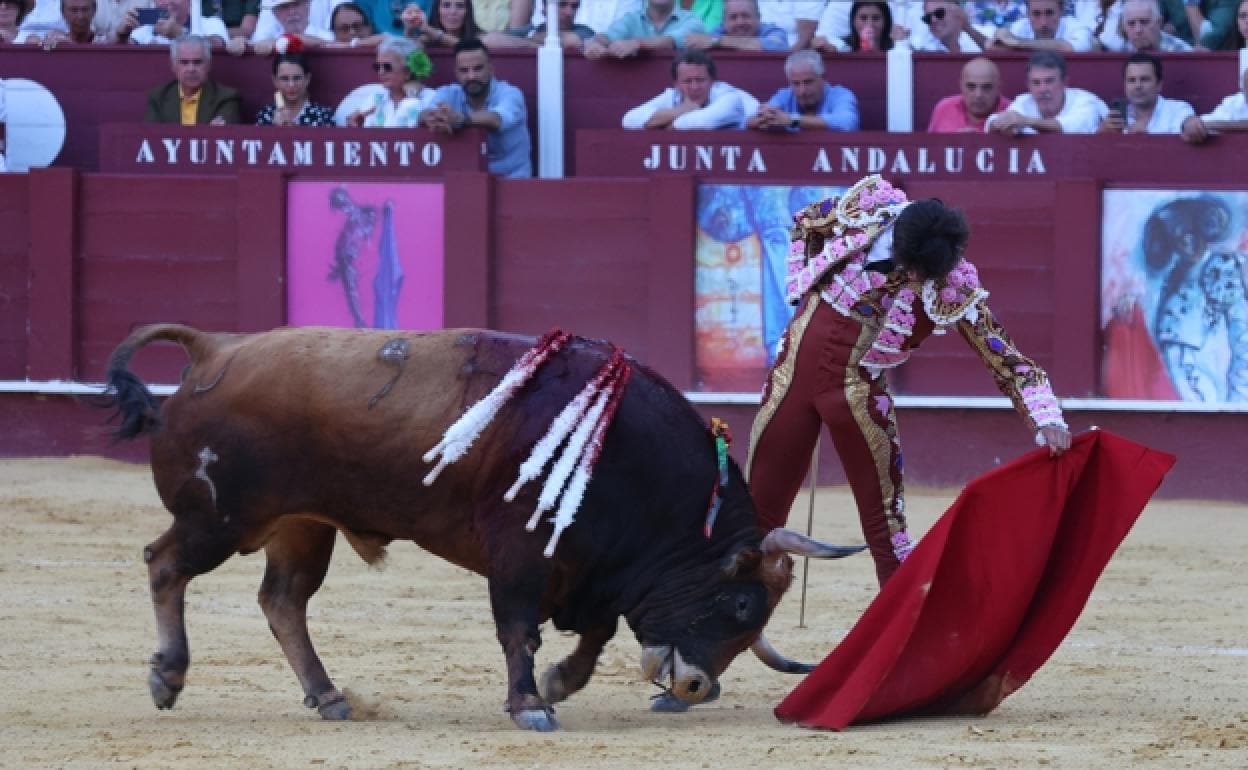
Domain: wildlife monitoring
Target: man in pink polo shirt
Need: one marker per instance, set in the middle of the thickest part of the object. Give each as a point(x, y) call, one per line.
point(980, 97)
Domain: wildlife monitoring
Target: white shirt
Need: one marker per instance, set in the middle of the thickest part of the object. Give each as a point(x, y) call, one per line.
point(1233, 107)
point(1168, 116)
point(834, 23)
point(727, 107)
point(1068, 29)
point(595, 14)
point(405, 114)
point(319, 14)
point(1081, 113)
point(786, 13)
point(922, 39)
point(310, 31)
point(208, 26)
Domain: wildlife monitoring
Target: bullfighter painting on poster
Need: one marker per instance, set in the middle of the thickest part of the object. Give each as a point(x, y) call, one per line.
point(364, 254)
point(1174, 312)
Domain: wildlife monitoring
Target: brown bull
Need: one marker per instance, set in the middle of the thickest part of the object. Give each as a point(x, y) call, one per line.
point(280, 440)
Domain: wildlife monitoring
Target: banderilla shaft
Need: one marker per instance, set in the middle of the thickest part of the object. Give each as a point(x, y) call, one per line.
point(810, 525)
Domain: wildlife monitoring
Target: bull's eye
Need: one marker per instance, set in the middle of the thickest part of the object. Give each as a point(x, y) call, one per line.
point(743, 608)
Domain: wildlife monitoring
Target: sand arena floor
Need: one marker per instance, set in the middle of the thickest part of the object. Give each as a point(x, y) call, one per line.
point(1152, 676)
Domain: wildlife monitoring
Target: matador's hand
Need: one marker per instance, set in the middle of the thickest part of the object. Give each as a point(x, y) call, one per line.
point(1056, 438)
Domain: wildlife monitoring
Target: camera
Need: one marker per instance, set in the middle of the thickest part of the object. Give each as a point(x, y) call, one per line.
point(149, 16)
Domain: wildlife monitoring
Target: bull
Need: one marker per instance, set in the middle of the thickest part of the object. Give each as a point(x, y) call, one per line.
point(281, 440)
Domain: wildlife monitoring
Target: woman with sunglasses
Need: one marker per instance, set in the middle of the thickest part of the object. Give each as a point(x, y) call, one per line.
point(12, 12)
point(291, 105)
point(401, 68)
point(946, 28)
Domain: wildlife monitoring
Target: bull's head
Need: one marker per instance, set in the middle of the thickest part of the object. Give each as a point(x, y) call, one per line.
point(694, 626)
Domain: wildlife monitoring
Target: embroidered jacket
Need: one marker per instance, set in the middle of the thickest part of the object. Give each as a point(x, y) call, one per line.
point(830, 255)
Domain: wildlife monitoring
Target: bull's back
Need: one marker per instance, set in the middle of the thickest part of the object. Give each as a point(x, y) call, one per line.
point(321, 421)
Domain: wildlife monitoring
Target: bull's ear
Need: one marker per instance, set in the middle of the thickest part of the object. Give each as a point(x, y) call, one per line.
point(742, 561)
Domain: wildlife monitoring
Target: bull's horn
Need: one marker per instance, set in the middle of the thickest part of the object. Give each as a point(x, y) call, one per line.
point(772, 658)
point(789, 541)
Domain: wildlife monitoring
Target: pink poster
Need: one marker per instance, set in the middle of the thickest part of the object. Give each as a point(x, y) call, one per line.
point(364, 254)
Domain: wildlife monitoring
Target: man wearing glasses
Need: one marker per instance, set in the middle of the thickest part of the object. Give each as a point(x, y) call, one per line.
point(946, 28)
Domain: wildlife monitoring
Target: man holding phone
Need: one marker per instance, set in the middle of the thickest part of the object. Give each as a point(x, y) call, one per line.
point(1144, 110)
point(166, 21)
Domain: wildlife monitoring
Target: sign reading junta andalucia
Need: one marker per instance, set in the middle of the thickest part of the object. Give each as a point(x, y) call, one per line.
point(741, 154)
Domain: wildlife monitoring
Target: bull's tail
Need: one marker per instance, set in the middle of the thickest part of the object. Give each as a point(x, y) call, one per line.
point(136, 408)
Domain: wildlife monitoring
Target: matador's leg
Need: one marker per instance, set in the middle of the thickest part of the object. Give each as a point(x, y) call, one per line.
point(862, 421)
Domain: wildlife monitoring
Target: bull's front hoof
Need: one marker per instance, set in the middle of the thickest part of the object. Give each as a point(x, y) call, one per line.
point(163, 693)
point(552, 688)
point(667, 703)
point(537, 720)
point(335, 712)
point(332, 707)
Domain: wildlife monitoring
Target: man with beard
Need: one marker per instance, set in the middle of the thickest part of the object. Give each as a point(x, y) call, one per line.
point(1145, 110)
point(477, 98)
point(809, 101)
point(1049, 106)
point(980, 96)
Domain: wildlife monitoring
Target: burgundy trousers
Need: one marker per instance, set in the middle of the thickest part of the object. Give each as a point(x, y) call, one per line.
point(815, 382)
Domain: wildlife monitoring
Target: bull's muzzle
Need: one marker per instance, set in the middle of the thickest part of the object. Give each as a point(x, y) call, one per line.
point(688, 682)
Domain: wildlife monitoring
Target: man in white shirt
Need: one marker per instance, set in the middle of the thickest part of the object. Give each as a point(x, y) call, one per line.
point(1049, 106)
point(1045, 28)
point(293, 18)
point(946, 28)
point(320, 16)
point(1229, 116)
point(177, 23)
point(798, 19)
point(1142, 29)
point(1145, 110)
point(697, 101)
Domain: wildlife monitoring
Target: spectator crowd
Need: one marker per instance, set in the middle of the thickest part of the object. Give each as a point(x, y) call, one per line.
point(813, 33)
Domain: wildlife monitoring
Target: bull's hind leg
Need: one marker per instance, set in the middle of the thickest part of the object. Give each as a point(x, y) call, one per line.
point(571, 674)
point(298, 556)
point(178, 555)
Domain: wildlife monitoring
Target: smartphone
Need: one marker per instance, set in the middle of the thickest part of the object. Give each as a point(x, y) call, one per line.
point(1119, 106)
point(279, 100)
point(149, 16)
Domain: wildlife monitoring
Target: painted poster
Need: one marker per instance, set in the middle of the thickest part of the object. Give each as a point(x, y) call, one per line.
point(1174, 312)
point(742, 245)
point(364, 254)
